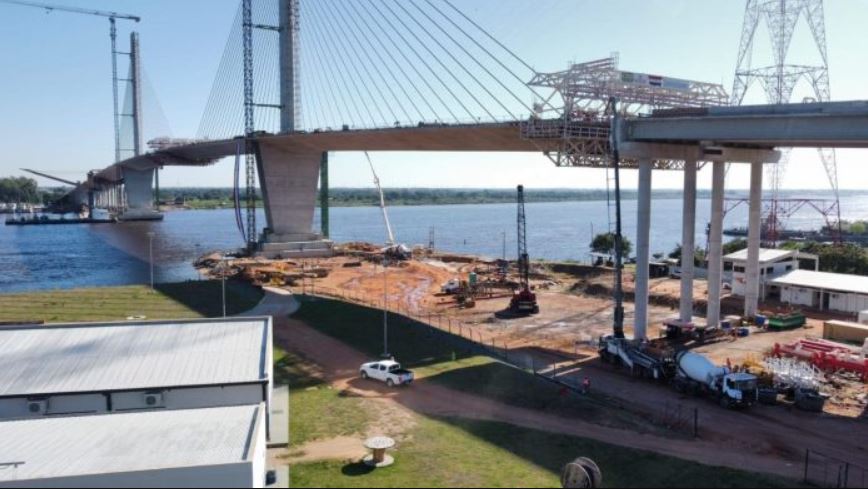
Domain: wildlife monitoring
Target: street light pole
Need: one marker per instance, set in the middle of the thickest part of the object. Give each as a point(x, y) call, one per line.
point(385, 309)
point(151, 256)
point(223, 282)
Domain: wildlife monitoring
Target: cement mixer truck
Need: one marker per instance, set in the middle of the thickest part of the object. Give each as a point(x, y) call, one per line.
point(687, 372)
point(696, 374)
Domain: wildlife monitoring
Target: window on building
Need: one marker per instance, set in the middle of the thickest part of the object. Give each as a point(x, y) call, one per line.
point(739, 269)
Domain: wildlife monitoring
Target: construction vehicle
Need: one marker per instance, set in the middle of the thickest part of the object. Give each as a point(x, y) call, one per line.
point(392, 250)
point(687, 372)
point(524, 300)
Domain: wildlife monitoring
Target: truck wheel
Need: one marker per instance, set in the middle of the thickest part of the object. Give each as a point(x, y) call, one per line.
point(364, 375)
point(390, 383)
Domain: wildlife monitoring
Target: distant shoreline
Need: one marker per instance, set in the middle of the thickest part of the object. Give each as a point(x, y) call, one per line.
point(197, 199)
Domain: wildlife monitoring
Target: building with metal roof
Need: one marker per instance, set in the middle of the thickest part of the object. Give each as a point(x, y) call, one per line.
point(118, 367)
point(209, 447)
point(825, 291)
point(773, 263)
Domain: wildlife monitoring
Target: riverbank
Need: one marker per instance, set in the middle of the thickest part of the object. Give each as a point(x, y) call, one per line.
point(185, 300)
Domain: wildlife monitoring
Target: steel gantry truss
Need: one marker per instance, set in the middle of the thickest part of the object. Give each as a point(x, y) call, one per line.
point(779, 80)
point(579, 119)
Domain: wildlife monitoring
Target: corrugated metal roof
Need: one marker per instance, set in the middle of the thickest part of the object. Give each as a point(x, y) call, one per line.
point(119, 356)
point(838, 282)
point(111, 443)
point(766, 255)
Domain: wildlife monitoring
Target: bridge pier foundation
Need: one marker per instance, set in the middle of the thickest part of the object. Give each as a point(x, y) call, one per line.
point(289, 190)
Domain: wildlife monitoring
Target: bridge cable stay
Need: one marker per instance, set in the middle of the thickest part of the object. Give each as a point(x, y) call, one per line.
point(319, 75)
point(423, 60)
point(320, 58)
point(490, 54)
point(479, 63)
point(394, 44)
point(439, 61)
point(341, 72)
point(356, 78)
point(389, 86)
point(488, 35)
point(212, 124)
point(354, 46)
point(379, 53)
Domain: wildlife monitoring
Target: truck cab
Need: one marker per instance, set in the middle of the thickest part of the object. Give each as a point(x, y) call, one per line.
point(739, 389)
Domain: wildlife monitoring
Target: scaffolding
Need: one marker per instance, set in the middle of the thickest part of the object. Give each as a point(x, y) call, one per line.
point(579, 122)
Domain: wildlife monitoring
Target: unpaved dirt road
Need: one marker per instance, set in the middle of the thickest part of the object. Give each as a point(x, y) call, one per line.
point(749, 441)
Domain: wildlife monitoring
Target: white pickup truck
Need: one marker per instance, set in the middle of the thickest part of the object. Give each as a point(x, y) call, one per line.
point(388, 371)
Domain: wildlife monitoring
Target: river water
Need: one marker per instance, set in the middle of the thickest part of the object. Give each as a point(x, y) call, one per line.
point(48, 257)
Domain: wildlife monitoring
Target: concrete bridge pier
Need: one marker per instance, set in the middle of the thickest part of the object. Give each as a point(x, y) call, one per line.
point(715, 244)
point(289, 180)
point(752, 287)
point(643, 249)
point(688, 241)
point(138, 187)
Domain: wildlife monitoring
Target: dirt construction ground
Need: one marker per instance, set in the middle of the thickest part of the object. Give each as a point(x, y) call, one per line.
point(575, 310)
point(762, 440)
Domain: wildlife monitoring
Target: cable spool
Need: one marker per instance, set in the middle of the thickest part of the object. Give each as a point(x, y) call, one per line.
point(581, 473)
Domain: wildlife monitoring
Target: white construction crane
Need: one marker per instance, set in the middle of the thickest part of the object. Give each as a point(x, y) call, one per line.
point(392, 248)
point(112, 17)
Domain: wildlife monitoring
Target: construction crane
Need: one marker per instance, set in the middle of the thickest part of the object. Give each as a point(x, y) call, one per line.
point(112, 17)
point(392, 249)
point(523, 301)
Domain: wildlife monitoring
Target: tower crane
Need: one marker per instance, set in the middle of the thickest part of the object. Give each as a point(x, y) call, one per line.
point(112, 17)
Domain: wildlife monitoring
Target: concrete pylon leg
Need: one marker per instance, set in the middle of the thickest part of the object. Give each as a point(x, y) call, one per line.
point(752, 287)
point(688, 241)
point(289, 181)
point(715, 243)
point(643, 251)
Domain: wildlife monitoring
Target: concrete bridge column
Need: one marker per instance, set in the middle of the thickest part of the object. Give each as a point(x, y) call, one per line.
point(138, 187)
point(643, 251)
point(289, 181)
point(688, 241)
point(715, 243)
point(752, 287)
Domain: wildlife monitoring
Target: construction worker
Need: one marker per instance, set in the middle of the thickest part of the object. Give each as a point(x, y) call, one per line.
point(586, 386)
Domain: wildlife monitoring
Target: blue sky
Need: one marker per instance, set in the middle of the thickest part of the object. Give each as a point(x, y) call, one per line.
point(55, 103)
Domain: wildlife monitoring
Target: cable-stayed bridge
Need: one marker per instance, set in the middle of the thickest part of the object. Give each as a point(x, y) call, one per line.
point(301, 78)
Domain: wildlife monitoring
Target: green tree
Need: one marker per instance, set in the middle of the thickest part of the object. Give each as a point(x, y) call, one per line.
point(734, 245)
point(605, 243)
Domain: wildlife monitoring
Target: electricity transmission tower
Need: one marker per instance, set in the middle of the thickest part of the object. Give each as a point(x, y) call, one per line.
point(779, 79)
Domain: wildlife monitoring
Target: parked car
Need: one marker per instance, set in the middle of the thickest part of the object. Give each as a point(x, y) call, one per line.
point(388, 371)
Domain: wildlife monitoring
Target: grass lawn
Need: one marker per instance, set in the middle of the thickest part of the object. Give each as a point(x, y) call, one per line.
point(170, 301)
point(451, 452)
point(456, 363)
point(317, 412)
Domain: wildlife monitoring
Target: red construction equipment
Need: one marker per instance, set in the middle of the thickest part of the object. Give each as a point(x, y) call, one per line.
point(825, 355)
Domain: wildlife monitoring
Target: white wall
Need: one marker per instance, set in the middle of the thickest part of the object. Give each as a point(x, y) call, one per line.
point(225, 475)
point(189, 398)
point(797, 296)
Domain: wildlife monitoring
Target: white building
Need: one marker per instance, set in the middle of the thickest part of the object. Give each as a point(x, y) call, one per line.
point(210, 447)
point(773, 264)
point(116, 367)
point(825, 291)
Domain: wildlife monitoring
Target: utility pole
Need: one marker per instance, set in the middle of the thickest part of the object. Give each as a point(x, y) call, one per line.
point(619, 242)
point(385, 307)
point(113, 34)
point(151, 256)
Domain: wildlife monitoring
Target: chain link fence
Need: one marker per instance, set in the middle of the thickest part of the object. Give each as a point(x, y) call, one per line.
point(824, 471)
point(467, 338)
